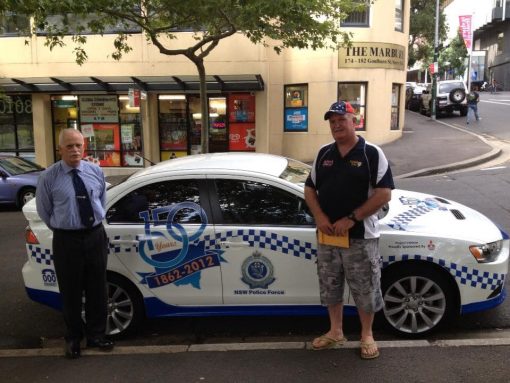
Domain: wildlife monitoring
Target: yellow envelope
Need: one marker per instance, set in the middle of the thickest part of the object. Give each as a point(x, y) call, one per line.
point(334, 240)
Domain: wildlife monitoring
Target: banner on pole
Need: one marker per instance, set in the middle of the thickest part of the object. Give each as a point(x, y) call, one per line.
point(465, 29)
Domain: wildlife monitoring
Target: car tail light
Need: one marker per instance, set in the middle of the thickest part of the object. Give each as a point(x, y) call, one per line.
point(30, 236)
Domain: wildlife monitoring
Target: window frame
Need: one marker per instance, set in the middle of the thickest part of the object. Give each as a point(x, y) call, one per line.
point(293, 108)
point(360, 103)
point(399, 7)
point(396, 105)
point(351, 22)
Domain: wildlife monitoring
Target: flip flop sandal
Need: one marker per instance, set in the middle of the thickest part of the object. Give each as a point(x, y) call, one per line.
point(327, 342)
point(365, 347)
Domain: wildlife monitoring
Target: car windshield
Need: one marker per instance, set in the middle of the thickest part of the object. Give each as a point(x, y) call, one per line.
point(447, 87)
point(295, 172)
point(16, 165)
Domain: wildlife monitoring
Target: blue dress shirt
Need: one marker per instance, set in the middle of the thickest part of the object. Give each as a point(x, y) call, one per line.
point(56, 199)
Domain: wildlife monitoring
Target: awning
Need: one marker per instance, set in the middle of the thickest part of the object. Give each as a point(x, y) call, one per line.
point(115, 84)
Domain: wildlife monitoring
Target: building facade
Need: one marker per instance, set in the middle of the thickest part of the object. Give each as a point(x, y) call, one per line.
point(490, 57)
point(145, 108)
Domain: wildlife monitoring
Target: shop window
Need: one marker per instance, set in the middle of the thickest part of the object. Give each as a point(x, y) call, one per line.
point(395, 106)
point(296, 108)
point(241, 109)
point(356, 94)
point(358, 18)
point(16, 126)
point(12, 24)
point(399, 15)
point(131, 133)
point(173, 126)
point(111, 127)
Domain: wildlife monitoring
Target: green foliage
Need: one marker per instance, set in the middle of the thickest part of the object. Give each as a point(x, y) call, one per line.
point(454, 56)
point(422, 31)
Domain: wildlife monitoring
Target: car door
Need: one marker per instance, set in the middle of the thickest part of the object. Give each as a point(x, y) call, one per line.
point(268, 240)
point(158, 231)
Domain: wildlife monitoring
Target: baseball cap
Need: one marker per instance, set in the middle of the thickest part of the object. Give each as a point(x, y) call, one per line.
point(340, 107)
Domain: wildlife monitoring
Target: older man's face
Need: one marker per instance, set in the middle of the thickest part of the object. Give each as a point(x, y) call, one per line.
point(342, 126)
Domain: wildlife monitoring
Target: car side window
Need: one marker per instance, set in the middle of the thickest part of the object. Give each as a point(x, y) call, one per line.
point(132, 207)
point(256, 203)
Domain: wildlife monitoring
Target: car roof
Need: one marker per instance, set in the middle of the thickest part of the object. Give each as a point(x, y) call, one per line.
point(245, 162)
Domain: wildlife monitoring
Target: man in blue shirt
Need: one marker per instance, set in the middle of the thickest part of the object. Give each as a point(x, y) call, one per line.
point(74, 208)
point(349, 183)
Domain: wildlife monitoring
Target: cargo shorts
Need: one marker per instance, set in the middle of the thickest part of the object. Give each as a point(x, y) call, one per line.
point(360, 265)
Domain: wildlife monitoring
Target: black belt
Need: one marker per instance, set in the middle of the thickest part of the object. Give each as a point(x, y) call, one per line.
point(80, 231)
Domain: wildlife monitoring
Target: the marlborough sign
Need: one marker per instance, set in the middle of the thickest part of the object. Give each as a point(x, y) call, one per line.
point(372, 55)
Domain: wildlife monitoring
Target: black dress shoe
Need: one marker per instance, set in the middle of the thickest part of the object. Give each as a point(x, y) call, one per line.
point(101, 343)
point(73, 349)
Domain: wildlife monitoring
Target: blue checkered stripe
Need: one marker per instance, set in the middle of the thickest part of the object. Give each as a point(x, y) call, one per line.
point(400, 221)
point(463, 274)
point(40, 255)
point(265, 240)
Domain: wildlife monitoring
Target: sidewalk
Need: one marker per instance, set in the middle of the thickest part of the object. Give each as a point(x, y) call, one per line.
point(430, 147)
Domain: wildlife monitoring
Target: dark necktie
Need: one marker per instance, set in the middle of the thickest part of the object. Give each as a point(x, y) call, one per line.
point(86, 212)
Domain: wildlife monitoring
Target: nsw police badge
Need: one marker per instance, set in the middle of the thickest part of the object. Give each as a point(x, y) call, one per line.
point(257, 271)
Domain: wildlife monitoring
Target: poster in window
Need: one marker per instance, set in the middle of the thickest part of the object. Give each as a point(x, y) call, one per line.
point(296, 119)
point(99, 109)
point(241, 107)
point(242, 137)
point(103, 148)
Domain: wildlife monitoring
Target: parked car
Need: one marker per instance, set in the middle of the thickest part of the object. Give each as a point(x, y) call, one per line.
point(413, 95)
point(230, 234)
point(450, 97)
point(18, 180)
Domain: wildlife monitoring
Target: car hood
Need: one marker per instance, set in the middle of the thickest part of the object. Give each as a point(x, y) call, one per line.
point(434, 216)
point(27, 178)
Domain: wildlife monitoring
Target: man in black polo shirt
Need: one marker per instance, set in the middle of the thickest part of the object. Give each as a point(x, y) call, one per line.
point(349, 183)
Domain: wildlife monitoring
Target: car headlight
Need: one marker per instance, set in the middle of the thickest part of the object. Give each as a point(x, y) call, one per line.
point(487, 252)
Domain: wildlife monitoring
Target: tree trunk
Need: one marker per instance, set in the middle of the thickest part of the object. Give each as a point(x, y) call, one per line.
point(204, 106)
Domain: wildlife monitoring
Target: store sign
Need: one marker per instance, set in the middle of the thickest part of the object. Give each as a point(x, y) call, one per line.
point(99, 109)
point(369, 55)
point(296, 119)
point(134, 97)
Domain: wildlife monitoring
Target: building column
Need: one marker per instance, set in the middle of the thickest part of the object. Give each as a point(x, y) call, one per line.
point(43, 132)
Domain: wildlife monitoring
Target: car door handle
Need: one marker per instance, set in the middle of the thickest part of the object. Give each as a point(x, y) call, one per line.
point(124, 242)
point(234, 244)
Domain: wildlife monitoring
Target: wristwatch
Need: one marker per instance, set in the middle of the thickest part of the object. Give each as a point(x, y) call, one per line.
point(353, 218)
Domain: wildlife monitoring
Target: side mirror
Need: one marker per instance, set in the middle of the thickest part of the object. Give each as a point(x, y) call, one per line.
point(3, 174)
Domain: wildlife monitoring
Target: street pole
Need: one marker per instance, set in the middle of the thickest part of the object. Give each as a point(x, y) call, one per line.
point(436, 66)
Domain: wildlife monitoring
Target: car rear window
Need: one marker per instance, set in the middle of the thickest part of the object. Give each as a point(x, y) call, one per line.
point(295, 172)
point(449, 86)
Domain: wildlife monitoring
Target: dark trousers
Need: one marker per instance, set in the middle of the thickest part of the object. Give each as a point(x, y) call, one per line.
point(80, 264)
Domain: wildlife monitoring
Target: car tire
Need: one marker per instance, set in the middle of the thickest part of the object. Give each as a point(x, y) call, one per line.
point(457, 95)
point(418, 298)
point(25, 195)
point(463, 111)
point(125, 306)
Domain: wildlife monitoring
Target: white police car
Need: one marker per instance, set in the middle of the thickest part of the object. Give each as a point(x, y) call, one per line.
point(230, 234)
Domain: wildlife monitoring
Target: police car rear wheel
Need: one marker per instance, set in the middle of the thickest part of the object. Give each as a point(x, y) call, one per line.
point(417, 300)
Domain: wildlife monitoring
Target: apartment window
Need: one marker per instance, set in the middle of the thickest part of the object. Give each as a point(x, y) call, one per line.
point(358, 18)
point(395, 106)
point(399, 15)
point(356, 94)
point(296, 108)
